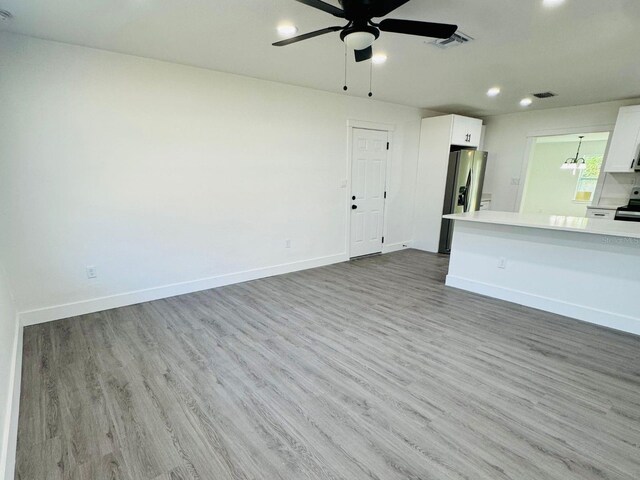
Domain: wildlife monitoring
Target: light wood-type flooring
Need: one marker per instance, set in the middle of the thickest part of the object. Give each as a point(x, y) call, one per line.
point(370, 369)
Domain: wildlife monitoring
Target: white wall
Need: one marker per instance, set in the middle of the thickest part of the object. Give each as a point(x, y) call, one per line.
point(158, 173)
point(548, 189)
point(506, 142)
point(8, 331)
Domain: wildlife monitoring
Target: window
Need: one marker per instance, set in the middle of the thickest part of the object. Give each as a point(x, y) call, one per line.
point(588, 179)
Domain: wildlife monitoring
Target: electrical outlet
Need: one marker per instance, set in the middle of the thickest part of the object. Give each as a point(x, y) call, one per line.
point(287, 243)
point(502, 263)
point(92, 272)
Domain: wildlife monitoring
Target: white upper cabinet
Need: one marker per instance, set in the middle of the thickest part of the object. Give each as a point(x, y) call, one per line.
point(625, 143)
point(466, 131)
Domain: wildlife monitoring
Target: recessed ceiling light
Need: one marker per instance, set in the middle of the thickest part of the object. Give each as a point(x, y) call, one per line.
point(552, 3)
point(379, 58)
point(525, 102)
point(287, 30)
point(493, 92)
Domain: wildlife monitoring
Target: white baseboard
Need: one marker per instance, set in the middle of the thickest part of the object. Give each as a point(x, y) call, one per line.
point(394, 247)
point(10, 435)
point(599, 317)
point(84, 307)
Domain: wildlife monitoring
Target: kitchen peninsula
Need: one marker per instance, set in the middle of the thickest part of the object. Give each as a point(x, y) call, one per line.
point(588, 269)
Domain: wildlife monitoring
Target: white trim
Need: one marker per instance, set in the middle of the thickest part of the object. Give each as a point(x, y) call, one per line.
point(572, 130)
point(10, 435)
point(395, 247)
point(381, 127)
point(84, 307)
point(524, 173)
point(387, 182)
point(603, 171)
point(387, 127)
point(579, 312)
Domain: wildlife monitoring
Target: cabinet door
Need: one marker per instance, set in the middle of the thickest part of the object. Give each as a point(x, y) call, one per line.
point(474, 127)
point(466, 131)
point(460, 134)
point(625, 142)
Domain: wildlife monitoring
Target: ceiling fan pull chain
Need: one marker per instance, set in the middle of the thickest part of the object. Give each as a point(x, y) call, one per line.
point(345, 68)
point(370, 78)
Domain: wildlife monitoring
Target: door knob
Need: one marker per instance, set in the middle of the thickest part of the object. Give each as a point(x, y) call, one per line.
point(354, 207)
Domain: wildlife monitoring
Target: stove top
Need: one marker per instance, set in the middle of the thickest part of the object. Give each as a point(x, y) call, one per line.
point(630, 213)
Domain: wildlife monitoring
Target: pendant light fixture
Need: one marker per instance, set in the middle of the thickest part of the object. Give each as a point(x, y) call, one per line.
point(576, 163)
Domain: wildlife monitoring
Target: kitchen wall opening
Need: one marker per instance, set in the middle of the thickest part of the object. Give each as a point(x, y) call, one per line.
point(563, 174)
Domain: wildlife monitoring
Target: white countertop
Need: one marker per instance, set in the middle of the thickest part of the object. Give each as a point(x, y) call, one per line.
point(595, 226)
point(605, 207)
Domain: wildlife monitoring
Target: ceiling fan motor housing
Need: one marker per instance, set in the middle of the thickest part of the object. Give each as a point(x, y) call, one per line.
point(359, 37)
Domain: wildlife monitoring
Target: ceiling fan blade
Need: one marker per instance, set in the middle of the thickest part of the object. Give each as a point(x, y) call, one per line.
point(359, 9)
point(384, 7)
point(362, 55)
point(325, 7)
point(306, 36)
point(423, 29)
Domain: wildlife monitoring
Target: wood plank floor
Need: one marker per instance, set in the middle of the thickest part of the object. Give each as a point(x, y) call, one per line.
point(371, 369)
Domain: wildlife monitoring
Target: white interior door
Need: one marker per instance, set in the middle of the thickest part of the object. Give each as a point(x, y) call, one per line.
point(368, 175)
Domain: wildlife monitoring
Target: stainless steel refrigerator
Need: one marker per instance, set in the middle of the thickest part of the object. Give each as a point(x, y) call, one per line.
point(464, 189)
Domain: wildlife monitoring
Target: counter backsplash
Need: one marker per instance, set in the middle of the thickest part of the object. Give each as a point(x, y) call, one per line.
point(617, 187)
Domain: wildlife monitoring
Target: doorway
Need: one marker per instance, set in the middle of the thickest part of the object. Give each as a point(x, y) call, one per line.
point(563, 173)
point(369, 151)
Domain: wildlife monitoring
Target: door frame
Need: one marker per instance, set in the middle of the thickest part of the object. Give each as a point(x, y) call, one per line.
point(530, 150)
point(364, 125)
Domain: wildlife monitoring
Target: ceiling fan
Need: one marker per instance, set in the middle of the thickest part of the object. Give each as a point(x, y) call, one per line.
point(360, 33)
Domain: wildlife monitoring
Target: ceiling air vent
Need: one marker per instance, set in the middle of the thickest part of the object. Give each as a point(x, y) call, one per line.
point(545, 95)
point(4, 15)
point(456, 39)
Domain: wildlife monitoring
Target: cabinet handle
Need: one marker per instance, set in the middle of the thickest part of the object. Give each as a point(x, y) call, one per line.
point(633, 162)
point(599, 214)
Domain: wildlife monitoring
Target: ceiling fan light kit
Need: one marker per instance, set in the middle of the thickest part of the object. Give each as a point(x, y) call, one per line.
point(359, 39)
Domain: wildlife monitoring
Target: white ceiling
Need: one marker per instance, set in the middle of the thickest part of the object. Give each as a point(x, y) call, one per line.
point(584, 50)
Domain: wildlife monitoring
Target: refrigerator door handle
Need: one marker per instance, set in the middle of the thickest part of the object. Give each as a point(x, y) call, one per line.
point(462, 198)
point(470, 186)
point(468, 189)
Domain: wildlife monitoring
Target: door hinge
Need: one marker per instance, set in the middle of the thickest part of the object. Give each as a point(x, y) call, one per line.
point(385, 194)
point(387, 145)
point(382, 239)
